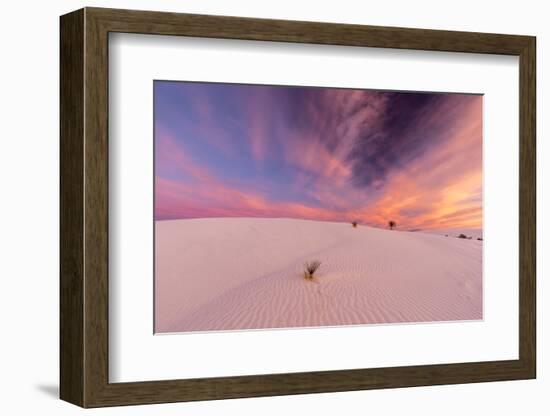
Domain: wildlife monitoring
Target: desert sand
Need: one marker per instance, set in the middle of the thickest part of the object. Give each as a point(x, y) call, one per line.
point(247, 273)
point(474, 233)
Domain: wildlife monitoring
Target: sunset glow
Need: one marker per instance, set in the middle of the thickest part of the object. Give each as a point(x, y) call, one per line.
point(229, 150)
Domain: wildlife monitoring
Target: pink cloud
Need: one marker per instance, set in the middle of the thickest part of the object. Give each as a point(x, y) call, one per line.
point(169, 155)
point(444, 185)
point(441, 188)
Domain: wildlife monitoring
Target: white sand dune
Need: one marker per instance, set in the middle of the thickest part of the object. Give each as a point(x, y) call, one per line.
point(474, 233)
point(246, 273)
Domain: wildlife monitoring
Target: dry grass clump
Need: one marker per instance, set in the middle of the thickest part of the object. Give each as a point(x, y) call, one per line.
point(310, 268)
point(354, 224)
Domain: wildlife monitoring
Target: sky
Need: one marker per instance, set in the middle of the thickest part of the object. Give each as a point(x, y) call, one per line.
point(328, 154)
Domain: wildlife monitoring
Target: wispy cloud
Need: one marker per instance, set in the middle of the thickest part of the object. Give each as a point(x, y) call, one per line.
point(318, 153)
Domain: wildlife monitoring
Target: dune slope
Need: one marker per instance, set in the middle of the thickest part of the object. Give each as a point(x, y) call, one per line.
point(246, 273)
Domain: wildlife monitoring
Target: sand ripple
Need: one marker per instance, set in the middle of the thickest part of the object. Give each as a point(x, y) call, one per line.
point(245, 273)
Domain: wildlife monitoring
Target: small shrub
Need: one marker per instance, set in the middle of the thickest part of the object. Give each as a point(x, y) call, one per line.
point(354, 224)
point(310, 268)
point(392, 224)
point(463, 236)
point(479, 239)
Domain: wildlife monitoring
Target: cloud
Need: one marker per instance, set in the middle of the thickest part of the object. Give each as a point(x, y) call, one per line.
point(441, 189)
point(318, 153)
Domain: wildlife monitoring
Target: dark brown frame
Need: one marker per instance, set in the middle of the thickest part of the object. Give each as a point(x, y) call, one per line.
point(84, 210)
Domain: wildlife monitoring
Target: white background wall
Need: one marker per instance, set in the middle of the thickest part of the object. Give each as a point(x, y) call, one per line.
point(29, 85)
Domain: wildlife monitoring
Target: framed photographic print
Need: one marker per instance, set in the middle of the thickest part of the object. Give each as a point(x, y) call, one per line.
point(280, 200)
point(255, 207)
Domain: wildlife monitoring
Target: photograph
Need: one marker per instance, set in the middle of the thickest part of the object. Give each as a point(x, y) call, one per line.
point(276, 206)
point(298, 206)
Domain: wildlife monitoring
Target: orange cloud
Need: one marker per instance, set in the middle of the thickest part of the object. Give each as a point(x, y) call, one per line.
point(438, 186)
point(442, 189)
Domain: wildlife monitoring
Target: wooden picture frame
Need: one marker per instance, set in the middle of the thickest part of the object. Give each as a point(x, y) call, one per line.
point(84, 207)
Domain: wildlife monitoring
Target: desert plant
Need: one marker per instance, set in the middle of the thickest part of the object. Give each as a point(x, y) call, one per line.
point(462, 236)
point(392, 224)
point(310, 268)
point(479, 239)
point(354, 224)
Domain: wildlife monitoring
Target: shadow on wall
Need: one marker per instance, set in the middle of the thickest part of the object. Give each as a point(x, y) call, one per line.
point(51, 390)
